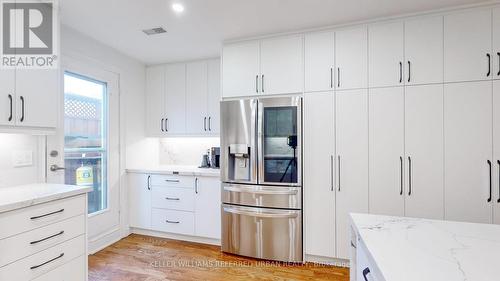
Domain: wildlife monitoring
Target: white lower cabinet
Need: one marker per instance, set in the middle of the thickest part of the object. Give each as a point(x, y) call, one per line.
point(319, 192)
point(351, 163)
point(186, 205)
point(365, 270)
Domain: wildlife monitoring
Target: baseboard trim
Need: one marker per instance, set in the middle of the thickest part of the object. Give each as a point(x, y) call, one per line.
point(103, 241)
point(327, 260)
point(189, 238)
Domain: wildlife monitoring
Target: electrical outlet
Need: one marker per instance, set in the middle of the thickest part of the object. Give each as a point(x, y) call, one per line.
point(22, 158)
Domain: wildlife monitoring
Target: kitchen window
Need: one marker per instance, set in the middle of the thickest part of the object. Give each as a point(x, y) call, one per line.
point(85, 137)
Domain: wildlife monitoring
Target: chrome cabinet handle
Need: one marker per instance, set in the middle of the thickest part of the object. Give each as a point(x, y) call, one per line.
point(331, 174)
point(22, 108)
point(409, 176)
point(161, 125)
point(10, 101)
point(196, 185)
point(365, 272)
point(338, 77)
point(401, 161)
point(256, 83)
point(331, 77)
point(339, 170)
point(149, 182)
point(167, 180)
point(205, 124)
point(49, 261)
point(489, 164)
point(166, 124)
point(47, 238)
point(489, 65)
point(262, 82)
point(167, 221)
point(172, 199)
point(46, 215)
point(210, 123)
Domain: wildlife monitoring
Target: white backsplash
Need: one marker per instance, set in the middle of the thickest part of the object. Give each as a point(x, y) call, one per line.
point(14, 145)
point(185, 151)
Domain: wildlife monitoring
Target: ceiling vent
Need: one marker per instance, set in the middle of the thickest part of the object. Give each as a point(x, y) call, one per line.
point(153, 31)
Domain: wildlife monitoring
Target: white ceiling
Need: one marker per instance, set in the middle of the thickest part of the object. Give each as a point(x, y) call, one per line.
point(200, 30)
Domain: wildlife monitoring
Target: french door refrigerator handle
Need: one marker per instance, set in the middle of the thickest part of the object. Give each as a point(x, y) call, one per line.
point(261, 213)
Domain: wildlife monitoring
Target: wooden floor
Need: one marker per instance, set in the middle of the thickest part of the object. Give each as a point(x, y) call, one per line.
point(144, 258)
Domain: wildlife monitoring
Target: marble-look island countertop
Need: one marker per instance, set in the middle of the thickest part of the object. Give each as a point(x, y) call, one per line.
point(17, 197)
point(182, 170)
point(412, 249)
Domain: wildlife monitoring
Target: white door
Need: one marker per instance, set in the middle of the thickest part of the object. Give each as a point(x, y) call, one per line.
point(424, 151)
point(467, 44)
point(7, 97)
point(385, 53)
point(352, 162)
point(282, 70)
point(214, 96)
point(351, 49)
point(468, 148)
point(139, 203)
point(88, 145)
point(496, 43)
point(241, 69)
point(155, 99)
point(319, 61)
point(175, 99)
point(319, 190)
point(386, 150)
point(196, 98)
point(37, 94)
point(424, 50)
point(496, 151)
point(208, 207)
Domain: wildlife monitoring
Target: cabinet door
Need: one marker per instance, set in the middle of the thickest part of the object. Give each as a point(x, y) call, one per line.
point(386, 147)
point(385, 48)
point(281, 65)
point(196, 98)
point(424, 151)
point(424, 50)
point(175, 99)
point(139, 194)
point(468, 147)
point(319, 61)
point(352, 162)
point(207, 207)
point(496, 150)
point(241, 69)
point(155, 100)
point(351, 58)
point(38, 97)
point(496, 43)
point(214, 96)
point(7, 97)
point(319, 206)
point(467, 41)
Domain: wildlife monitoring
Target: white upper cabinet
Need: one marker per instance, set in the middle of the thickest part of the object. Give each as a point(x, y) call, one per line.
point(467, 46)
point(496, 151)
point(424, 50)
point(351, 162)
point(467, 149)
point(424, 151)
point(214, 96)
point(7, 97)
point(155, 100)
point(37, 92)
point(386, 151)
point(351, 54)
point(241, 69)
point(319, 190)
point(281, 65)
point(385, 53)
point(496, 43)
point(196, 97)
point(319, 61)
point(175, 98)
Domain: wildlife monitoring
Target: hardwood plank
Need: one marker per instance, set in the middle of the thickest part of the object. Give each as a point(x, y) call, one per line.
point(144, 258)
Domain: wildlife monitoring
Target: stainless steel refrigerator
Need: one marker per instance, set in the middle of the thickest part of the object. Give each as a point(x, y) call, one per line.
point(261, 171)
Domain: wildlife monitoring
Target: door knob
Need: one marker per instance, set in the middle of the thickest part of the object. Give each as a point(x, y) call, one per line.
point(55, 168)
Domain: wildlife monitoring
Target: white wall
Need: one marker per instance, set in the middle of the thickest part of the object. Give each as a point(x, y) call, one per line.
point(10, 175)
point(185, 151)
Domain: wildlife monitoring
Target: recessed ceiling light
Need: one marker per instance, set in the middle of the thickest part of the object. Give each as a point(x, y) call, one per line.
point(178, 7)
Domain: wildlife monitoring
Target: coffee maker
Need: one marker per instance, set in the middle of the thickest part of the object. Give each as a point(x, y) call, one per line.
point(214, 157)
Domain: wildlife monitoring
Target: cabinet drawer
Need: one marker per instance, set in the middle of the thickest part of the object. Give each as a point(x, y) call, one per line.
point(181, 199)
point(41, 215)
point(71, 271)
point(173, 221)
point(172, 181)
point(31, 242)
point(45, 261)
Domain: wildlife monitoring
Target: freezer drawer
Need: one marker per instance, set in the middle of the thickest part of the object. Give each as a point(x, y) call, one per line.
point(285, 197)
point(272, 234)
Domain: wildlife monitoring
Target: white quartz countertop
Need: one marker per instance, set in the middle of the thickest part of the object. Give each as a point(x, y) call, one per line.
point(177, 169)
point(412, 249)
point(22, 196)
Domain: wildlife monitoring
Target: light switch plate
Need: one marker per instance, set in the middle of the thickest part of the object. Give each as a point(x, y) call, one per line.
point(22, 158)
